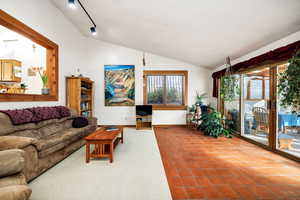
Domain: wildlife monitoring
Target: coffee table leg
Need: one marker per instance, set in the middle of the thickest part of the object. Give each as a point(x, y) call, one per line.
point(87, 152)
point(111, 152)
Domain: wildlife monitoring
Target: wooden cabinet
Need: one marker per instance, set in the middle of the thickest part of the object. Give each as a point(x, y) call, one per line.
point(80, 95)
point(10, 70)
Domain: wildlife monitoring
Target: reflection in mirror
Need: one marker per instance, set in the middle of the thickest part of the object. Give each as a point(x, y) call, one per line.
point(22, 64)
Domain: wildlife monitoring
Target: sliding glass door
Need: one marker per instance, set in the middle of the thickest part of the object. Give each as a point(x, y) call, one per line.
point(255, 98)
point(288, 126)
point(257, 114)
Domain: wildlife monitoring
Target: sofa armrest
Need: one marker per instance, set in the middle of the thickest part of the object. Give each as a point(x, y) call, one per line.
point(11, 162)
point(15, 142)
point(92, 121)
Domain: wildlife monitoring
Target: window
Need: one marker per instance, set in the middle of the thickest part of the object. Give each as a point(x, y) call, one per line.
point(166, 89)
point(25, 53)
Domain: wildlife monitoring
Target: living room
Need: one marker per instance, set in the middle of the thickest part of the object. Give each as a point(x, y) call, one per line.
point(150, 56)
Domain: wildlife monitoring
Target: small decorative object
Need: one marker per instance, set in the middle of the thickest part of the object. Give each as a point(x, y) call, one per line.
point(44, 78)
point(2, 91)
point(289, 85)
point(77, 73)
point(30, 72)
point(111, 128)
point(119, 85)
point(230, 88)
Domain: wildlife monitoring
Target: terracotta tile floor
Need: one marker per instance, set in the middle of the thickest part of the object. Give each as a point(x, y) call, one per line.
point(201, 167)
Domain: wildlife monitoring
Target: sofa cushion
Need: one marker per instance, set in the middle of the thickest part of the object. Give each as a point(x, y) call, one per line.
point(27, 133)
point(50, 129)
point(58, 142)
point(16, 192)
point(59, 137)
point(7, 127)
point(16, 179)
point(15, 142)
point(11, 162)
point(80, 122)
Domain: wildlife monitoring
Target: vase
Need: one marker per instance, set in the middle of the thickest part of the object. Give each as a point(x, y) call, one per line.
point(45, 91)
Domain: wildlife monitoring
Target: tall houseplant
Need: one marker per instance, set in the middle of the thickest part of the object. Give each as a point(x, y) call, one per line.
point(289, 85)
point(213, 125)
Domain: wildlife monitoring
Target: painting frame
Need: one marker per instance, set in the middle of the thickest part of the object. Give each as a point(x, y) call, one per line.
point(119, 85)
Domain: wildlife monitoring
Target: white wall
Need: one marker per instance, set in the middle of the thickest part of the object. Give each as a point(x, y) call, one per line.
point(76, 51)
point(101, 53)
point(274, 45)
point(43, 17)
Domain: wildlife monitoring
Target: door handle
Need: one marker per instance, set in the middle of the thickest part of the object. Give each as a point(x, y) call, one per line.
point(269, 104)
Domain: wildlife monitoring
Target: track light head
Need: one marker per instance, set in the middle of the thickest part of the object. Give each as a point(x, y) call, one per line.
point(72, 4)
point(93, 30)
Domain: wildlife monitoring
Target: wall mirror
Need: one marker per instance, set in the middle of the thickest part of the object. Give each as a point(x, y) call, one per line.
point(28, 63)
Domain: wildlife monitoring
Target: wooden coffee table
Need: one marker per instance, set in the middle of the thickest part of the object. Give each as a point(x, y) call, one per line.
point(104, 143)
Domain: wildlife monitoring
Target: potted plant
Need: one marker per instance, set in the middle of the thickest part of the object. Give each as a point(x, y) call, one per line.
point(213, 124)
point(23, 87)
point(44, 78)
point(191, 109)
point(230, 88)
point(200, 98)
point(289, 85)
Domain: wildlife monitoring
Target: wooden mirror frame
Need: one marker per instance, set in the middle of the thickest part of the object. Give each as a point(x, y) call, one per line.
point(13, 24)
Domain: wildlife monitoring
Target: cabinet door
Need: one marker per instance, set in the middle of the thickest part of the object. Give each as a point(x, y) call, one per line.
point(7, 71)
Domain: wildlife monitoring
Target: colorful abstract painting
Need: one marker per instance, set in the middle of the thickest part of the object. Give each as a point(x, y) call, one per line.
point(119, 85)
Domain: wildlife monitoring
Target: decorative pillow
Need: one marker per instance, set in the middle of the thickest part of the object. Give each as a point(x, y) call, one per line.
point(80, 122)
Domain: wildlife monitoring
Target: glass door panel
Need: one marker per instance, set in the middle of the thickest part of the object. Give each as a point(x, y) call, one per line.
point(255, 98)
point(288, 127)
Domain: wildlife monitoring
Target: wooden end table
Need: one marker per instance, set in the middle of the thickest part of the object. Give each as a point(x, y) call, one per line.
point(104, 143)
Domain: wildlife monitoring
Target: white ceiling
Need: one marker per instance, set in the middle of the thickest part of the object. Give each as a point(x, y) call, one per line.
point(201, 32)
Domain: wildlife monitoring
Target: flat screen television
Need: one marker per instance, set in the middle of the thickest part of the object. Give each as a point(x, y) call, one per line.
point(143, 110)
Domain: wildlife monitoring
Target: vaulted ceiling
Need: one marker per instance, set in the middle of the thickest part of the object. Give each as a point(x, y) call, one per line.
point(201, 32)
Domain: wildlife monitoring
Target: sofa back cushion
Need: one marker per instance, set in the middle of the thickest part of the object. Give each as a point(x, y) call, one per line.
point(6, 126)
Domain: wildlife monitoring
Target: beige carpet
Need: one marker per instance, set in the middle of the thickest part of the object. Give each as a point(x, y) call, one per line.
point(137, 173)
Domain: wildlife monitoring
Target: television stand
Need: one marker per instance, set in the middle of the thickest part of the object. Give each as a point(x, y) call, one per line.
point(143, 122)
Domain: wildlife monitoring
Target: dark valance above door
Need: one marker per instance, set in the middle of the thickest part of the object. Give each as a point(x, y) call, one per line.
point(278, 55)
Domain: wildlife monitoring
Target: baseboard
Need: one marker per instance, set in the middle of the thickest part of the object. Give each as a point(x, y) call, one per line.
point(123, 126)
point(169, 125)
point(156, 126)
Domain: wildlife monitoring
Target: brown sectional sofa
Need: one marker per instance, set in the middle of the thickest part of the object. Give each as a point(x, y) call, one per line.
point(44, 143)
point(13, 185)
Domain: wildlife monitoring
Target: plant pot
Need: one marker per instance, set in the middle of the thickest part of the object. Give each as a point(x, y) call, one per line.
point(45, 91)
